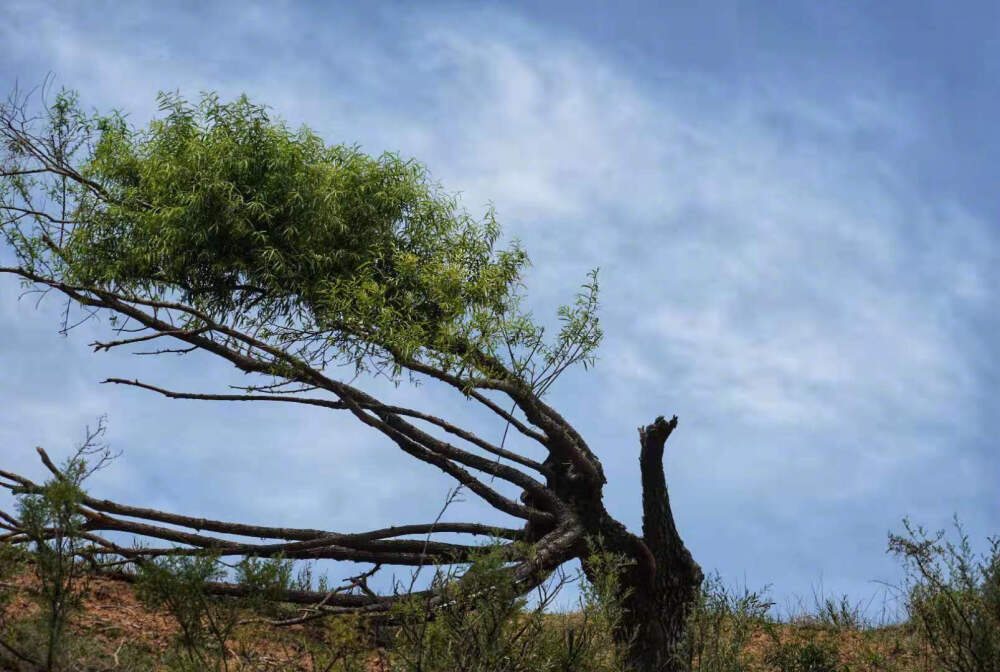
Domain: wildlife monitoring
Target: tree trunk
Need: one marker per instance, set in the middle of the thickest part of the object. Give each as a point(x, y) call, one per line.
point(662, 585)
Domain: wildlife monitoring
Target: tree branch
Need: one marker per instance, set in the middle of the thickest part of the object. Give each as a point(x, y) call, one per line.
point(402, 433)
point(393, 552)
point(98, 345)
point(395, 410)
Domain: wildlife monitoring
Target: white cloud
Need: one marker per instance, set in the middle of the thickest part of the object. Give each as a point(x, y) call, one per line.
point(768, 267)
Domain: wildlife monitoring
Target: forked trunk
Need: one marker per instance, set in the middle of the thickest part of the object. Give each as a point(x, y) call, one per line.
point(662, 585)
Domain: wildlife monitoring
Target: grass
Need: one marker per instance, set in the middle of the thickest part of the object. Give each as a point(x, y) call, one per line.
point(117, 627)
point(57, 617)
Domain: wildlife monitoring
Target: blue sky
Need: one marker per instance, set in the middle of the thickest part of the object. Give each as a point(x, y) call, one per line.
point(793, 206)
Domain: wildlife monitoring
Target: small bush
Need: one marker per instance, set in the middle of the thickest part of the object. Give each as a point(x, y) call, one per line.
point(953, 597)
point(50, 526)
point(720, 626)
point(207, 623)
point(482, 624)
point(809, 655)
point(841, 614)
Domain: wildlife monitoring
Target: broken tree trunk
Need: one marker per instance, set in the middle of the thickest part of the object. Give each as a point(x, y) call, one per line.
point(660, 588)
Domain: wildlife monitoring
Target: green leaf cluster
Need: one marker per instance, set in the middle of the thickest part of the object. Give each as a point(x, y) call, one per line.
point(51, 520)
point(322, 250)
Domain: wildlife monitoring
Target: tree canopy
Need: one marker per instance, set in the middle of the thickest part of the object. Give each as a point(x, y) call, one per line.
point(336, 254)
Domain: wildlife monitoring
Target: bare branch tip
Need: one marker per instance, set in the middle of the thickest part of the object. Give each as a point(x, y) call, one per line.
point(48, 462)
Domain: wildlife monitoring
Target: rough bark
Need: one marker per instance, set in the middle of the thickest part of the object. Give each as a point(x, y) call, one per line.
point(661, 587)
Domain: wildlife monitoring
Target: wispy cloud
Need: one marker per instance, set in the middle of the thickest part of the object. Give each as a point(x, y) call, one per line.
point(770, 273)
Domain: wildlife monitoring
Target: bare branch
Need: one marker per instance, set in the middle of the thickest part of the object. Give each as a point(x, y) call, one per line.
point(368, 405)
point(392, 552)
point(296, 534)
point(314, 611)
point(560, 437)
point(13, 173)
point(431, 451)
point(98, 345)
point(28, 212)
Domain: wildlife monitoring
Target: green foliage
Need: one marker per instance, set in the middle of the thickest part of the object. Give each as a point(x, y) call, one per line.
point(720, 625)
point(809, 655)
point(841, 615)
point(601, 614)
point(50, 519)
point(12, 562)
point(265, 581)
point(49, 531)
point(343, 643)
point(953, 597)
point(51, 522)
point(318, 249)
point(177, 585)
point(207, 623)
point(484, 625)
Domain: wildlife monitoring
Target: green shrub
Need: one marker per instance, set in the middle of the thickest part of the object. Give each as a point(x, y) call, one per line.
point(841, 614)
point(808, 655)
point(482, 623)
point(953, 597)
point(720, 626)
point(206, 623)
point(50, 526)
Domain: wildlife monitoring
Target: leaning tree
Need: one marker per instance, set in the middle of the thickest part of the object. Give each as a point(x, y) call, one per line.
point(218, 229)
